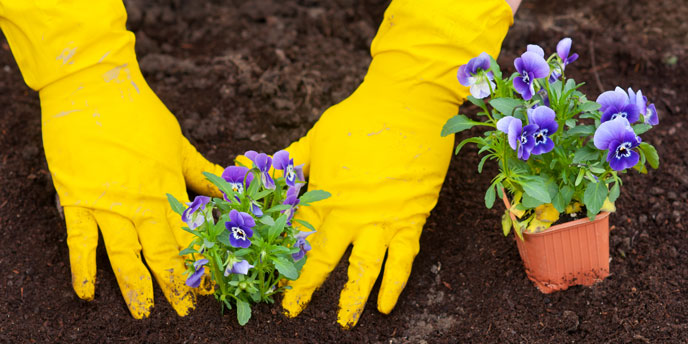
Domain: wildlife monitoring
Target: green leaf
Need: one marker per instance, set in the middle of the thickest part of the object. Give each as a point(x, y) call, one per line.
point(530, 202)
point(594, 196)
point(286, 268)
point(457, 124)
point(476, 140)
point(277, 228)
point(260, 195)
point(641, 128)
point(579, 179)
point(563, 198)
point(505, 105)
point(208, 244)
point(650, 154)
point(582, 130)
point(176, 206)
point(482, 162)
point(243, 312)
point(494, 67)
point(477, 102)
point(537, 189)
point(223, 238)
point(313, 196)
point(614, 192)
point(188, 250)
point(506, 222)
point(221, 184)
point(589, 106)
point(278, 207)
point(267, 220)
point(305, 224)
point(585, 153)
point(571, 123)
point(490, 196)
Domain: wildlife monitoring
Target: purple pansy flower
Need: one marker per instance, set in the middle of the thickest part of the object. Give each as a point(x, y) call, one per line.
point(195, 215)
point(239, 227)
point(240, 268)
point(237, 176)
point(263, 162)
point(563, 50)
point(302, 244)
point(195, 279)
point(544, 118)
point(618, 137)
point(649, 112)
point(281, 161)
point(292, 199)
point(530, 66)
point(474, 74)
point(520, 138)
point(234, 175)
point(617, 104)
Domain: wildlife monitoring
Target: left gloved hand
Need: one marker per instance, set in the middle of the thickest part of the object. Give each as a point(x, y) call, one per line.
point(114, 150)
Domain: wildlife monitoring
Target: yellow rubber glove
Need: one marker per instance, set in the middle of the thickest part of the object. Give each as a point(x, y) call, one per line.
point(380, 152)
point(113, 149)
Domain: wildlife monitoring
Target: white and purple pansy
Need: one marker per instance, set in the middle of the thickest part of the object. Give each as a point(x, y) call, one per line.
point(194, 280)
point(530, 66)
point(617, 104)
point(520, 138)
point(238, 178)
point(474, 74)
point(545, 119)
point(240, 226)
point(617, 136)
point(302, 244)
point(239, 268)
point(263, 162)
point(649, 112)
point(282, 161)
point(195, 214)
point(563, 51)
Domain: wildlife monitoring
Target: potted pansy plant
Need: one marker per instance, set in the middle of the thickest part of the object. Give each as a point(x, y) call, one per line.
point(558, 153)
point(246, 241)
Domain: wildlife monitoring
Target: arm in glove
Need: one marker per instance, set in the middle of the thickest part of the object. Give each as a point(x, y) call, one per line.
point(113, 149)
point(380, 152)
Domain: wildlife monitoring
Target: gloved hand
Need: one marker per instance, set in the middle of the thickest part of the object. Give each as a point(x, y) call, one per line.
point(380, 153)
point(113, 149)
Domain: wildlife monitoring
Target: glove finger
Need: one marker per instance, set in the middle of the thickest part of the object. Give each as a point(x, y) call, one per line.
point(300, 151)
point(161, 252)
point(82, 240)
point(328, 245)
point(183, 239)
point(364, 267)
point(402, 251)
point(193, 166)
point(124, 251)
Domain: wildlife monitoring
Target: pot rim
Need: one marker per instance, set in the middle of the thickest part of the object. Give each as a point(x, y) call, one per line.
point(559, 227)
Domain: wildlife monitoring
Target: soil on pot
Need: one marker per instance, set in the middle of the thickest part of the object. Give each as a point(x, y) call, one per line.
point(257, 74)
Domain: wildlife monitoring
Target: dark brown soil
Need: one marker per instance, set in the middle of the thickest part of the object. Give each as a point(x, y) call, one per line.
point(257, 74)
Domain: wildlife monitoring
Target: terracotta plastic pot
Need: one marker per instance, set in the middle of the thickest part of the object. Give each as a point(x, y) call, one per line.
point(567, 254)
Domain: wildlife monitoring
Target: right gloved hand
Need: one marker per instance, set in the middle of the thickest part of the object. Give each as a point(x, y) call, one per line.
point(380, 153)
point(113, 149)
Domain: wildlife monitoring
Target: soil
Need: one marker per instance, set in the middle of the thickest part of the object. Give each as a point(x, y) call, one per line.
point(257, 74)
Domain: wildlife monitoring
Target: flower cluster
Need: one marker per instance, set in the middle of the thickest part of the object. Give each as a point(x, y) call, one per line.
point(246, 241)
point(555, 148)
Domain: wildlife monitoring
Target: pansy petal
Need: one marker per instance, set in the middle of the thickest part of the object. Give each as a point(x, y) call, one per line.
point(564, 48)
point(610, 131)
point(280, 159)
point(535, 64)
point(534, 48)
point(234, 174)
point(514, 132)
point(481, 89)
point(504, 122)
point(652, 118)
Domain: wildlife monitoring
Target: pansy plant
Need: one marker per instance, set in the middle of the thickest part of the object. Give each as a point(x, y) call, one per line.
point(553, 146)
point(248, 241)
